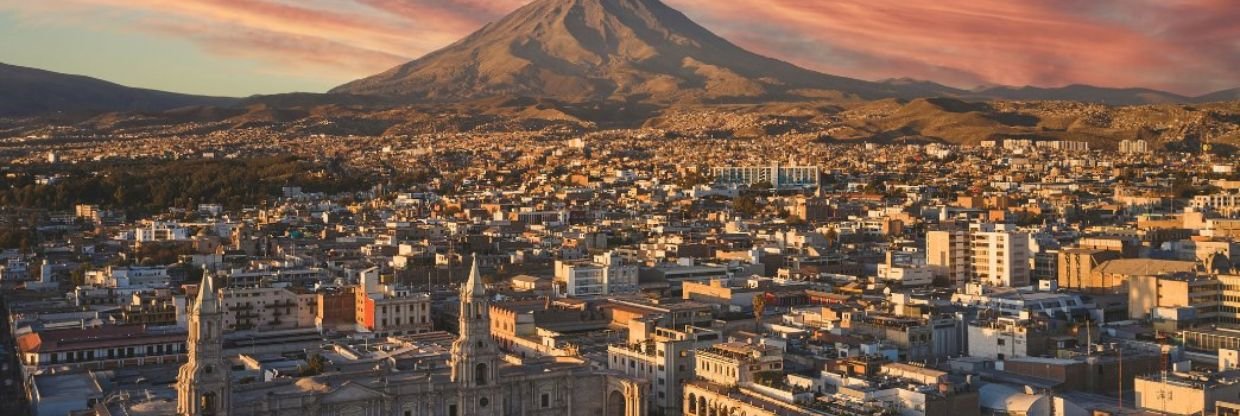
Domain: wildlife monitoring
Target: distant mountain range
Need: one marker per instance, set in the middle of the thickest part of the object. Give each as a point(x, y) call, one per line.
point(567, 51)
point(28, 91)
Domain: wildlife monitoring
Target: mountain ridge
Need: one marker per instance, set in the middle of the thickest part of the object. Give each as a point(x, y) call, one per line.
point(26, 91)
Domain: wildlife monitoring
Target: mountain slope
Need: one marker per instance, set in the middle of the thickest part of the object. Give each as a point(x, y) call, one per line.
point(1084, 93)
point(28, 91)
point(1217, 96)
point(590, 50)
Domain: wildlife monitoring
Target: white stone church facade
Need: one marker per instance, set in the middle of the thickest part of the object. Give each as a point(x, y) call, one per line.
point(481, 380)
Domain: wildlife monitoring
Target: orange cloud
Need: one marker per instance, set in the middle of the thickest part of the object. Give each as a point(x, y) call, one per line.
point(1185, 46)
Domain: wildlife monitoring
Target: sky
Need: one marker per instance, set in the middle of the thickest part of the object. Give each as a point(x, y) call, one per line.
point(246, 47)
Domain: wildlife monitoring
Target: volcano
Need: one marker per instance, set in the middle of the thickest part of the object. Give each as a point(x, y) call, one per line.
point(607, 50)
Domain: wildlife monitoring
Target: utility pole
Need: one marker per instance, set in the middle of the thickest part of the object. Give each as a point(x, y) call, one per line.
point(1120, 350)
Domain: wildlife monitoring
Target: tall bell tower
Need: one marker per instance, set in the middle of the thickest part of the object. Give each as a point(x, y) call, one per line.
point(204, 387)
point(475, 356)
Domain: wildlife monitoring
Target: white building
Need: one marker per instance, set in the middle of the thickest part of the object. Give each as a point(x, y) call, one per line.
point(132, 277)
point(157, 231)
point(1134, 146)
point(1000, 255)
point(780, 177)
point(608, 274)
point(1226, 204)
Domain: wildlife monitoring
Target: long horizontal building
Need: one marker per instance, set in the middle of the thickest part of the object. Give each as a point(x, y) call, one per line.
point(779, 177)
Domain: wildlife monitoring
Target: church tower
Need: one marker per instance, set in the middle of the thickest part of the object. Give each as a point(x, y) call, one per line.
point(203, 385)
point(475, 356)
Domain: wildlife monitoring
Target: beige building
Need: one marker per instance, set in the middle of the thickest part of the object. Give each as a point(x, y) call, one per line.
point(1077, 266)
point(735, 363)
point(1228, 299)
point(1178, 393)
point(1000, 255)
point(948, 253)
point(1112, 275)
point(267, 308)
point(1162, 297)
point(387, 309)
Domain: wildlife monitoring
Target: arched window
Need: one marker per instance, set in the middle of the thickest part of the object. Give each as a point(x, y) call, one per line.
point(207, 404)
point(692, 403)
point(480, 374)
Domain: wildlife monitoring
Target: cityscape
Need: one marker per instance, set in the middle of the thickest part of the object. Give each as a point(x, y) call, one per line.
point(602, 208)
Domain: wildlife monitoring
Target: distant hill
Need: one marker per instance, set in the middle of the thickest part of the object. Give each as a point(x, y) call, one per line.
point(28, 91)
point(1084, 93)
point(1224, 95)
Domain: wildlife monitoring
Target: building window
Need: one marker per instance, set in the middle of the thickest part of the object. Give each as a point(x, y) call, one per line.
point(480, 374)
point(546, 400)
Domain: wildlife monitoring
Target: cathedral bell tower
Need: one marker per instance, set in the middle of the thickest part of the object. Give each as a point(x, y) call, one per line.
point(475, 356)
point(203, 384)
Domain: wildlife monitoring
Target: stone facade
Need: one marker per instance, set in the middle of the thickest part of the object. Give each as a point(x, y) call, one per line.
point(479, 379)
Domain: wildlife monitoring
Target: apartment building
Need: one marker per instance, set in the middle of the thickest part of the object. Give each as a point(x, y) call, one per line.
point(1006, 337)
point(386, 309)
point(948, 254)
point(267, 308)
point(1000, 255)
point(1186, 298)
point(606, 275)
point(1226, 204)
point(736, 363)
point(664, 357)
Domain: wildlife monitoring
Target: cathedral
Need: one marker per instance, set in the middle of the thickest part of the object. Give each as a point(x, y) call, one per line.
point(479, 380)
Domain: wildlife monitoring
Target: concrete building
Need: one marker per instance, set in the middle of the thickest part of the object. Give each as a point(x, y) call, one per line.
point(1225, 204)
point(949, 254)
point(664, 357)
point(1112, 276)
point(386, 309)
point(734, 363)
point(1000, 255)
point(779, 177)
point(1185, 393)
point(607, 275)
point(267, 308)
point(1167, 297)
point(1006, 337)
point(1077, 266)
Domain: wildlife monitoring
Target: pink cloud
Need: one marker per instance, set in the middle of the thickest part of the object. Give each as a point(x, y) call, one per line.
point(1185, 46)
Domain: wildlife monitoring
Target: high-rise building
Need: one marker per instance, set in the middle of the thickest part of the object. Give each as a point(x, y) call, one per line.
point(1000, 255)
point(948, 254)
